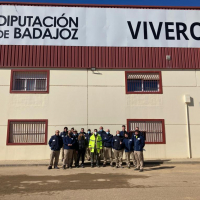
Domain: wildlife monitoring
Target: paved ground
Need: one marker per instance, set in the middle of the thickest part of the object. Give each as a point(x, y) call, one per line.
point(166, 181)
point(4, 163)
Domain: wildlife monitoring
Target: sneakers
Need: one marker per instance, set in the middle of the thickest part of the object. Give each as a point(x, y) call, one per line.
point(136, 169)
point(82, 166)
point(50, 167)
point(56, 167)
point(141, 170)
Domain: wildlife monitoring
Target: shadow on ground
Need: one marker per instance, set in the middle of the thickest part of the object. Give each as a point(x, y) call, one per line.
point(159, 168)
point(31, 184)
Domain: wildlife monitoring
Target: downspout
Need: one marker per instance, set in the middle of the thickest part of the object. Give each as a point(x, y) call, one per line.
point(187, 101)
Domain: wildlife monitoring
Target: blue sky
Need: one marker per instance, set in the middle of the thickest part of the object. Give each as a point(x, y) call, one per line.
point(121, 2)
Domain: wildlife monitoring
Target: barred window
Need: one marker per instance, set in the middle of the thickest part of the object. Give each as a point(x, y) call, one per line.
point(29, 81)
point(153, 130)
point(143, 82)
point(27, 132)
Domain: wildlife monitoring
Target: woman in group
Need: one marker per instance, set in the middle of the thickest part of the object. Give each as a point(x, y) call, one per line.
point(82, 145)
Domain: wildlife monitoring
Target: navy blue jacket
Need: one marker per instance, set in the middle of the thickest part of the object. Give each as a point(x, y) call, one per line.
point(139, 142)
point(128, 144)
point(68, 140)
point(116, 143)
point(102, 133)
point(63, 134)
point(107, 140)
point(122, 134)
point(56, 143)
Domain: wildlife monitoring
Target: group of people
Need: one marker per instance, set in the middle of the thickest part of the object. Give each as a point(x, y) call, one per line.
point(75, 146)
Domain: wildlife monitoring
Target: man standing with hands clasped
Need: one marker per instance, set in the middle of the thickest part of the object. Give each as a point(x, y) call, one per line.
point(118, 149)
point(128, 145)
point(69, 146)
point(55, 144)
point(138, 149)
point(107, 148)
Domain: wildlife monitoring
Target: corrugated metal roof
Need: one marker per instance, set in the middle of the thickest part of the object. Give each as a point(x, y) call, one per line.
point(99, 57)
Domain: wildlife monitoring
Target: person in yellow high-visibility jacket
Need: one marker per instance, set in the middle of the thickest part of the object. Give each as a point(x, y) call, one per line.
point(95, 146)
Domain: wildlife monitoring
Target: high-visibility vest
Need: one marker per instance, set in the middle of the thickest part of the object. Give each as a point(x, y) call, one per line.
point(92, 143)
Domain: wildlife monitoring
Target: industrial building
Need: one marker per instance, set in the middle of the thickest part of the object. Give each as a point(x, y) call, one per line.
point(68, 70)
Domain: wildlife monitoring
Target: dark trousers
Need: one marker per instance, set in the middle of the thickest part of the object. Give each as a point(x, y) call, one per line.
point(81, 154)
point(96, 156)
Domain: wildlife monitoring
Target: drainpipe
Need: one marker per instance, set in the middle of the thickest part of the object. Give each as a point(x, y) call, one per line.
point(187, 100)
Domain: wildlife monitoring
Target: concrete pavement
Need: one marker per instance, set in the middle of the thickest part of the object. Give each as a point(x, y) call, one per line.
point(13, 163)
point(157, 182)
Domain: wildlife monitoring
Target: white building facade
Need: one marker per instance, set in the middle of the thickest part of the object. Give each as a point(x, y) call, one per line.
point(93, 87)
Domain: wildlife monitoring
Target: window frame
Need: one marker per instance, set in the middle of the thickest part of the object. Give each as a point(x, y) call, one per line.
point(152, 120)
point(28, 91)
point(149, 72)
point(27, 120)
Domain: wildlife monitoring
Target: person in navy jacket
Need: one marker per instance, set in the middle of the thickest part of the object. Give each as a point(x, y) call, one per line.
point(82, 131)
point(128, 146)
point(63, 134)
point(69, 145)
point(139, 143)
point(122, 133)
point(55, 144)
point(107, 147)
point(118, 149)
point(101, 131)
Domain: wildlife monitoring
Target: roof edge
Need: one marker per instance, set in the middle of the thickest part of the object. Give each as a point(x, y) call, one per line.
point(99, 5)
